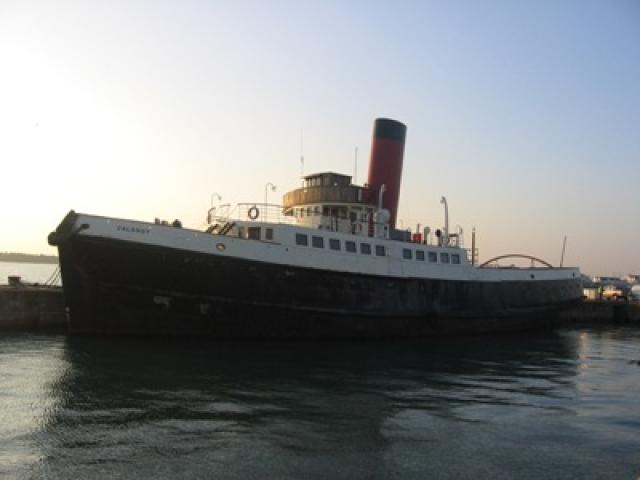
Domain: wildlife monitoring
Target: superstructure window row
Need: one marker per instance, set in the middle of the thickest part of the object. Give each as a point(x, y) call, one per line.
point(335, 244)
point(255, 233)
point(365, 248)
point(432, 257)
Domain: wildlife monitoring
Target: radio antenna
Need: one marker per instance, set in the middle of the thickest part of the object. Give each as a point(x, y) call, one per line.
point(564, 246)
point(301, 153)
point(355, 168)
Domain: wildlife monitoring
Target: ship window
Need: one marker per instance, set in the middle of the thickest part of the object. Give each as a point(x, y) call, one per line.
point(316, 211)
point(433, 257)
point(253, 233)
point(365, 249)
point(420, 255)
point(334, 244)
point(455, 258)
point(302, 212)
point(240, 232)
point(406, 254)
point(350, 246)
point(444, 258)
point(317, 242)
point(380, 250)
point(302, 239)
point(309, 211)
point(268, 233)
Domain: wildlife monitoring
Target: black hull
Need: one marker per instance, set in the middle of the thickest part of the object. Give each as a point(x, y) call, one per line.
point(114, 287)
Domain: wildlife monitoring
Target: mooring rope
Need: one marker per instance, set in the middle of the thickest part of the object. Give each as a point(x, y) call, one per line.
point(53, 278)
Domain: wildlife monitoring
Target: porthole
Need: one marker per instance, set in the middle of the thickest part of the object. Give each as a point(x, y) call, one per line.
point(221, 247)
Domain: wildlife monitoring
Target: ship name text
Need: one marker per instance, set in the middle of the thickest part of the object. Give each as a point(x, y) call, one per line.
point(124, 228)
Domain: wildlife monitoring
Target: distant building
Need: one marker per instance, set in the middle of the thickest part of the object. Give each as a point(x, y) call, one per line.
point(633, 278)
point(587, 281)
point(608, 280)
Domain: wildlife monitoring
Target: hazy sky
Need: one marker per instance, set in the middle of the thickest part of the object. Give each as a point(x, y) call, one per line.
point(526, 115)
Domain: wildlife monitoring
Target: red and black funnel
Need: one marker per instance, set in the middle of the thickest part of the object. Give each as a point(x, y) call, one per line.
point(385, 165)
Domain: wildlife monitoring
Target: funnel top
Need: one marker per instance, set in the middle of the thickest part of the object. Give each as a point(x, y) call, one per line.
point(391, 129)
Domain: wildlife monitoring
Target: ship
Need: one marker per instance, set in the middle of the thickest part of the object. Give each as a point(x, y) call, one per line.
point(327, 263)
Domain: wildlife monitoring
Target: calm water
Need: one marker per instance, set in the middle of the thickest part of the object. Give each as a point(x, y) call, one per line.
point(557, 405)
point(30, 272)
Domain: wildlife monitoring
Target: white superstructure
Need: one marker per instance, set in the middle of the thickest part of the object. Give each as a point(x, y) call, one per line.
point(302, 246)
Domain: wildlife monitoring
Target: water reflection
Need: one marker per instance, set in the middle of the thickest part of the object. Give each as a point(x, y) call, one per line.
point(29, 368)
point(126, 400)
point(154, 409)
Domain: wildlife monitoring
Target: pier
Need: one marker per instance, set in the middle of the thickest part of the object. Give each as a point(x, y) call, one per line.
point(603, 312)
point(26, 307)
point(31, 307)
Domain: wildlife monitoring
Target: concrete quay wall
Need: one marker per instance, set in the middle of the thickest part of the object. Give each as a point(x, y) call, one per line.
point(37, 308)
point(28, 308)
point(603, 311)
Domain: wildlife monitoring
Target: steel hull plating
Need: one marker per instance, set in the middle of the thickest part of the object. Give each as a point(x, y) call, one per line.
point(116, 287)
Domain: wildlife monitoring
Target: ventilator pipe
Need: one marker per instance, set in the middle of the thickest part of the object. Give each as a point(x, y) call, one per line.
point(445, 236)
point(380, 195)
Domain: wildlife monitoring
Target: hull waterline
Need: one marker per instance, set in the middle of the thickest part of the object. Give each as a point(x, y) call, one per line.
point(115, 287)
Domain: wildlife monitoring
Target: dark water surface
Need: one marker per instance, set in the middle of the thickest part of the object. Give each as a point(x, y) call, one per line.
point(555, 405)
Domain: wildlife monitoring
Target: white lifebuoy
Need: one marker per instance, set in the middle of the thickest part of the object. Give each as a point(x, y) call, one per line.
point(253, 213)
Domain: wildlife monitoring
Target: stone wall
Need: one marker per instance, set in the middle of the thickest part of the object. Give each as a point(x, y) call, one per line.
point(32, 308)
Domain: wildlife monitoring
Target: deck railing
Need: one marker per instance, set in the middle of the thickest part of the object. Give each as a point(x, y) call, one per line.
point(252, 212)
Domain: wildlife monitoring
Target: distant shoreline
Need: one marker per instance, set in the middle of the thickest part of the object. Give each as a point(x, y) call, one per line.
point(28, 258)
